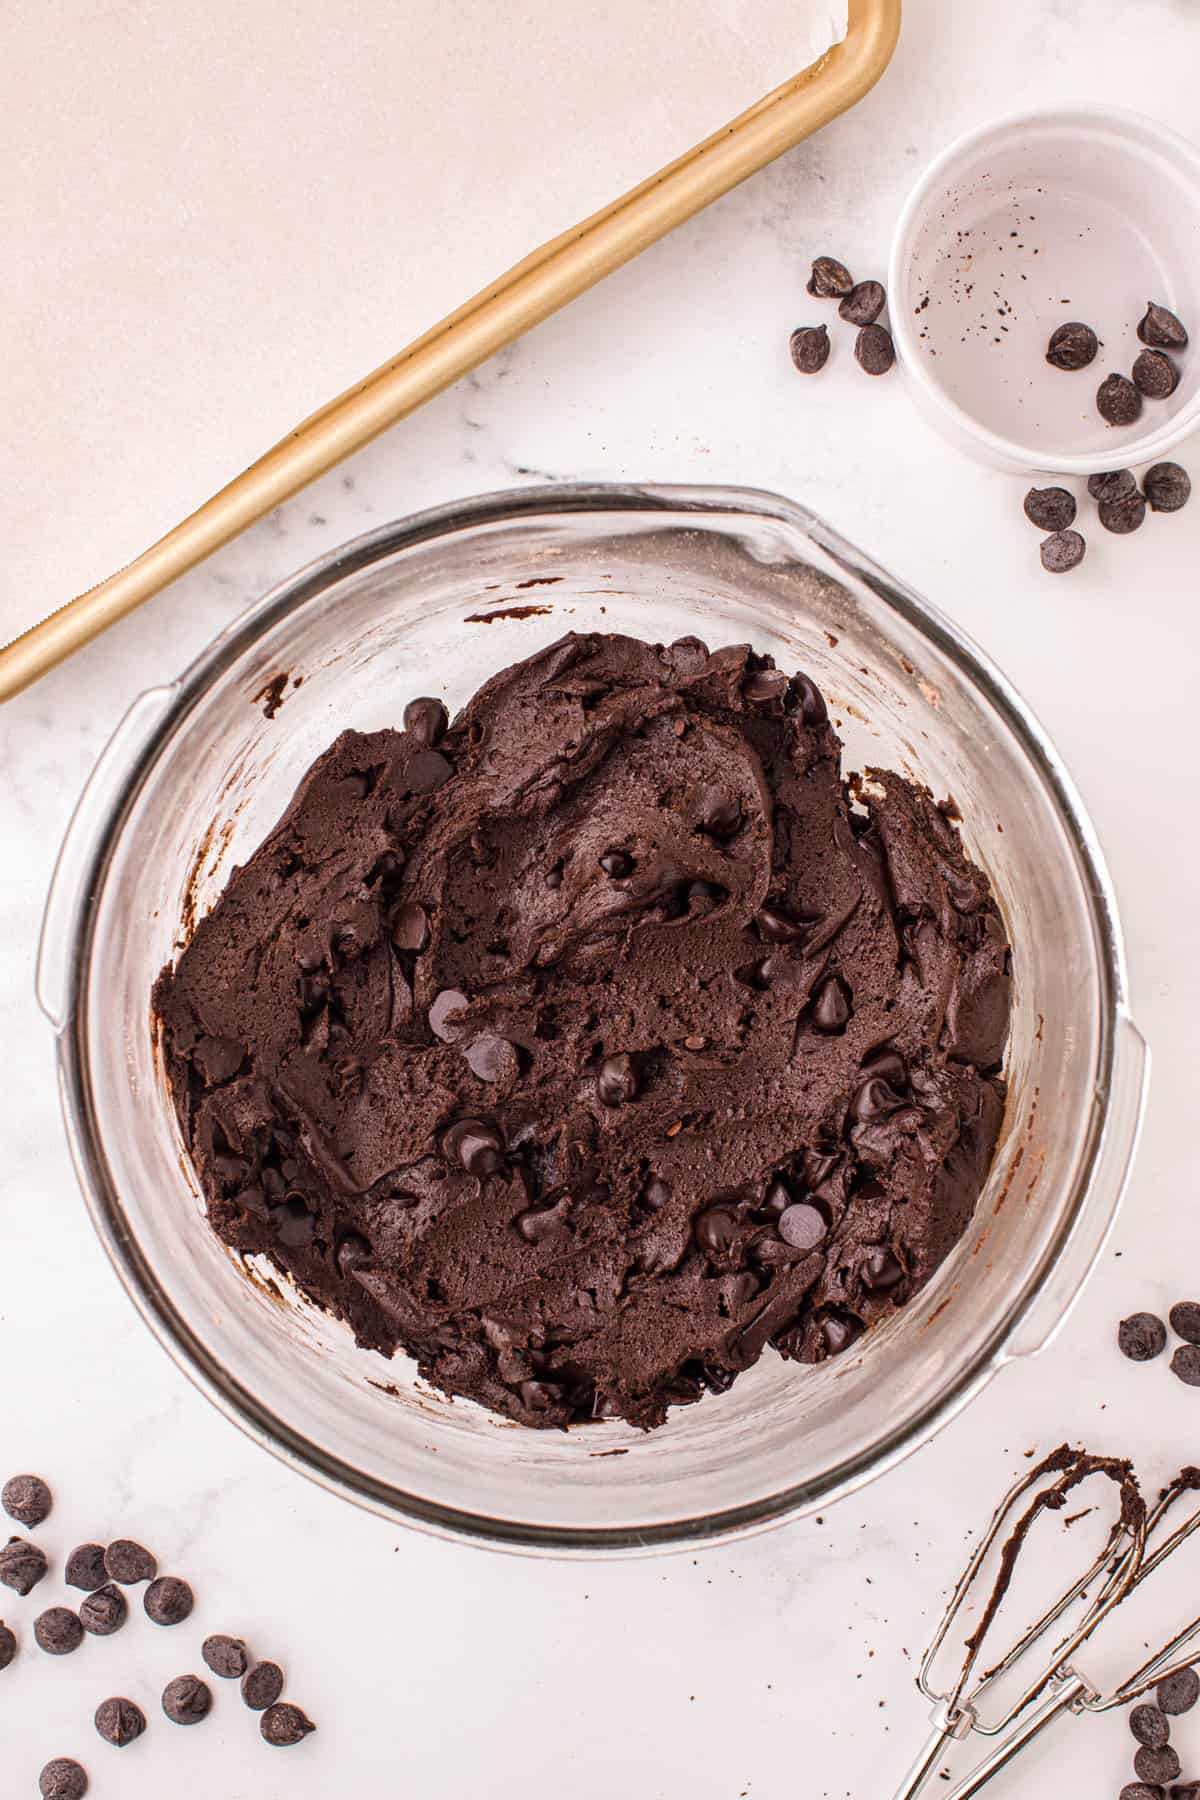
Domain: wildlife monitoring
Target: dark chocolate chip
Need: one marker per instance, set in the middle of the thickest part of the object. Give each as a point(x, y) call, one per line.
point(874, 351)
point(809, 345)
point(1156, 1766)
point(22, 1566)
point(702, 896)
point(777, 927)
point(187, 1700)
point(120, 1721)
point(292, 1223)
point(58, 1631)
point(831, 1007)
point(1063, 551)
point(617, 864)
point(1149, 1726)
point(104, 1611)
point(830, 279)
point(802, 1226)
point(1118, 401)
point(227, 1657)
point(284, 1725)
point(1185, 1320)
point(765, 686)
point(493, 1059)
point(262, 1685)
point(1050, 509)
point(425, 720)
point(1178, 1693)
point(1139, 1790)
point(777, 1198)
point(27, 1499)
point(1154, 374)
point(617, 1080)
point(426, 771)
point(864, 303)
point(1185, 1790)
point(1072, 346)
point(8, 1645)
point(129, 1563)
point(169, 1600)
point(881, 1272)
point(1141, 1337)
point(410, 927)
point(839, 1330)
point(476, 1145)
point(720, 812)
point(1186, 1364)
point(1123, 515)
point(1114, 484)
point(85, 1568)
point(655, 1194)
point(875, 1099)
point(1167, 487)
point(809, 698)
point(353, 1252)
point(543, 1225)
point(63, 1779)
point(1160, 328)
point(443, 1020)
point(716, 1230)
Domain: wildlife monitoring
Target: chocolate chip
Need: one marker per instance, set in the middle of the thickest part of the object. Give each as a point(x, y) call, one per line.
point(129, 1563)
point(476, 1145)
point(881, 1272)
point(8, 1645)
point(874, 351)
point(169, 1600)
point(1159, 327)
point(1167, 487)
point(543, 1225)
point(104, 1611)
point(1063, 551)
point(63, 1779)
point(715, 1230)
point(85, 1568)
point(720, 812)
point(283, 1725)
point(809, 699)
point(1138, 1790)
point(1114, 484)
point(22, 1566)
point(425, 720)
point(442, 1014)
point(353, 1252)
point(1072, 346)
point(617, 864)
point(426, 771)
point(1154, 374)
point(1123, 515)
point(493, 1059)
point(27, 1499)
point(802, 1226)
point(58, 1631)
point(778, 927)
point(875, 1099)
point(1118, 401)
point(1050, 509)
point(1185, 1320)
point(292, 1223)
point(262, 1685)
point(777, 1198)
point(1141, 1337)
point(809, 345)
point(187, 1700)
point(1149, 1726)
point(830, 279)
point(617, 1080)
point(765, 686)
point(410, 927)
point(864, 303)
point(831, 1007)
point(655, 1194)
point(1156, 1766)
point(120, 1721)
point(702, 896)
point(1178, 1693)
point(1186, 1364)
point(226, 1656)
point(1187, 1790)
point(839, 1330)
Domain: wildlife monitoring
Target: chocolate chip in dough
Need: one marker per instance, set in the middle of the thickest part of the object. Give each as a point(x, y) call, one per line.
point(475, 1145)
point(617, 1081)
point(27, 1499)
point(1141, 1337)
point(120, 1721)
point(425, 720)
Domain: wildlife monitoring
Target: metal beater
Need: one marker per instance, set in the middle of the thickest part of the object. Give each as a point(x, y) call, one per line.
point(1131, 1553)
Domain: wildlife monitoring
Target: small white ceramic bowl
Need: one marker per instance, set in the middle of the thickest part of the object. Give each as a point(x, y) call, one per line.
point(1041, 217)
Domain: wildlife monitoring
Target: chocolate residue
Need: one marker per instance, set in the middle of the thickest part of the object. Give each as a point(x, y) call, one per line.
point(270, 695)
point(507, 612)
point(539, 581)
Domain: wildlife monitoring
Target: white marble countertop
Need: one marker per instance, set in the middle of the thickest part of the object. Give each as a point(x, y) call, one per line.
point(780, 1667)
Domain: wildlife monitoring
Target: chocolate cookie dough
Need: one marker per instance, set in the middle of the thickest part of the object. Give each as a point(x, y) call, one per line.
point(588, 1045)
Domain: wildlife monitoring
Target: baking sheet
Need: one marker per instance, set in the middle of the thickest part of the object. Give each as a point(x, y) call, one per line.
point(216, 218)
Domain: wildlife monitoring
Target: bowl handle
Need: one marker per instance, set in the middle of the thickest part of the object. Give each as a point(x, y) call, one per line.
point(1130, 1078)
point(76, 867)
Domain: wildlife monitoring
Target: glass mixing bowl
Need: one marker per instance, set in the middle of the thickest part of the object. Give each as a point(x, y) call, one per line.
point(196, 775)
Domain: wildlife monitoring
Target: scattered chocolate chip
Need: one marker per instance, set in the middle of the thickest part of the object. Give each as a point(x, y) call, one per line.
point(1184, 1318)
point(617, 1081)
point(120, 1721)
point(1187, 1790)
point(809, 345)
point(802, 1226)
point(1072, 346)
point(262, 1685)
point(1160, 328)
point(864, 303)
point(283, 1725)
point(476, 1145)
point(1156, 1766)
point(493, 1059)
point(617, 864)
point(1123, 515)
point(1050, 509)
point(1149, 1726)
point(715, 1230)
point(8, 1645)
point(227, 1657)
point(1138, 1790)
point(27, 1499)
point(104, 1611)
point(1063, 551)
point(1167, 487)
point(442, 1014)
point(187, 1700)
point(22, 1566)
point(58, 1631)
point(1114, 484)
point(762, 687)
point(881, 1272)
point(63, 1779)
point(830, 279)
point(85, 1568)
point(1179, 1692)
point(426, 771)
point(410, 927)
point(425, 720)
point(169, 1600)
point(1154, 374)
point(831, 1007)
point(655, 1194)
point(1186, 1364)
point(1118, 401)
point(1141, 1337)
point(874, 351)
point(129, 1563)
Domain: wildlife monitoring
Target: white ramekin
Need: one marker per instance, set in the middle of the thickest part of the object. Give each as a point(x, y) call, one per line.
point(1038, 218)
